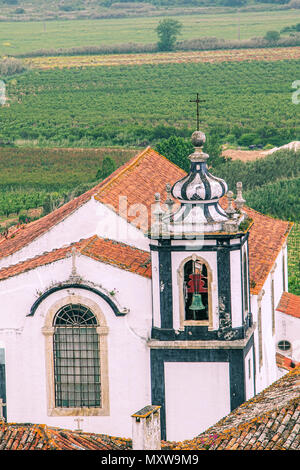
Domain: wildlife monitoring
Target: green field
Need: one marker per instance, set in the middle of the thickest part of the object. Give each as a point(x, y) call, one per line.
point(245, 103)
point(294, 260)
point(23, 37)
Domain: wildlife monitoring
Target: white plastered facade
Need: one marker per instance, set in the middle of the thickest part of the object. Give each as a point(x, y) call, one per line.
point(128, 382)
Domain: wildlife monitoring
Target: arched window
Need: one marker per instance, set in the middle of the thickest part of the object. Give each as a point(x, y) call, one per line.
point(76, 358)
point(196, 291)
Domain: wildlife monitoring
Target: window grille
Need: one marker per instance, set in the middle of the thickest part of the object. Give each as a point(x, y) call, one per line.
point(76, 358)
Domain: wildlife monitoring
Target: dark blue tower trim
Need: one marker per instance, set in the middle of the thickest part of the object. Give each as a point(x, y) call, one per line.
point(224, 283)
point(235, 358)
point(165, 286)
point(3, 381)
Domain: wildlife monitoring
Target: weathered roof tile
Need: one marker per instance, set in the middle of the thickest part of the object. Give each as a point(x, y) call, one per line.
point(289, 304)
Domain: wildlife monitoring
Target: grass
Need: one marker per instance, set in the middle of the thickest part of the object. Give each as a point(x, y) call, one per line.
point(294, 260)
point(21, 37)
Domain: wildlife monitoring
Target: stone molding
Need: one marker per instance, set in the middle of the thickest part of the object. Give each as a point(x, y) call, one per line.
point(102, 330)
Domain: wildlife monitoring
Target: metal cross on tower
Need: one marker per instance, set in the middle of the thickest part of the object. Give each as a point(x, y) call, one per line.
point(197, 101)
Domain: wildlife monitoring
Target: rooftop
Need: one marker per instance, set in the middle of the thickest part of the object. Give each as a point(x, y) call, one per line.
point(101, 249)
point(289, 304)
point(138, 180)
point(269, 421)
point(41, 437)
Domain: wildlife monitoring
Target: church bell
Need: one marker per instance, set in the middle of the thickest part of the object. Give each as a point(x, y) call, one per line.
point(197, 303)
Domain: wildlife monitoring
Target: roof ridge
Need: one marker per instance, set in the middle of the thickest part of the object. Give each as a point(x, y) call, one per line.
point(63, 252)
point(127, 166)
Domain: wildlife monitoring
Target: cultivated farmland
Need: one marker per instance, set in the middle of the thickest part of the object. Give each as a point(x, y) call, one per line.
point(245, 103)
point(233, 55)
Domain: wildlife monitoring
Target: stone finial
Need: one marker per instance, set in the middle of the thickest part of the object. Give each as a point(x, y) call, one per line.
point(74, 277)
point(157, 216)
point(157, 210)
point(198, 139)
point(146, 433)
point(1, 409)
point(169, 201)
point(230, 209)
point(239, 201)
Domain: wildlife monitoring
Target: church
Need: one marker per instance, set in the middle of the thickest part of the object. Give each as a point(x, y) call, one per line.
point(156, 287)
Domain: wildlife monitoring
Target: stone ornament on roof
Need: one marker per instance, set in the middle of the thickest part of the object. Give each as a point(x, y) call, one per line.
point(199, 193)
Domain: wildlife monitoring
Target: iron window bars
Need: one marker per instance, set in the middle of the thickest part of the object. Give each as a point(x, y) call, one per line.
point(76, 358)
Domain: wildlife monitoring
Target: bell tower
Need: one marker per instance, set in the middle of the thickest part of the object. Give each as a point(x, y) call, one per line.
point(201, 302)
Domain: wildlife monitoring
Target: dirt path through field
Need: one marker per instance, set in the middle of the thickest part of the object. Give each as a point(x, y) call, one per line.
point(237, 55)
point(244, 155)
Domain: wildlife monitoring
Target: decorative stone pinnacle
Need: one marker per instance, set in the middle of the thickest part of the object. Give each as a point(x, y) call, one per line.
point(169, 201)
point(239, 201)
point(230, 210)
point(74, 274)
point(157, 214)
point(198, 139)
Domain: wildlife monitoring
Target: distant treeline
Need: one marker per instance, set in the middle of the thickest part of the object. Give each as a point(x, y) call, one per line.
point(202, 44)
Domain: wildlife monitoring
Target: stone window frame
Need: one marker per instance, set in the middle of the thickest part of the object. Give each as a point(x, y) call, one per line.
point(102, 331)
point(180, 273)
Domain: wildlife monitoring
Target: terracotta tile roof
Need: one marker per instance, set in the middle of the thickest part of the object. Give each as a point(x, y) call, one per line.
point(119, 254)
point(289, 304)
point(269, 421)
point(286, 363)
point(138, 180)
point(41, 260)
point(104, 250)
point(41, 437)
point(146, 174)
point(266, 238)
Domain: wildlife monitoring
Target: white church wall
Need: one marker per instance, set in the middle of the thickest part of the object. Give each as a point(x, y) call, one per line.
point(93, 218)
point(191, 407)
point(287, 329)
point(177, 259)
point(128, 354)
point(249, 374)
point(111, 225)
point(78, 225)
point(266, 368)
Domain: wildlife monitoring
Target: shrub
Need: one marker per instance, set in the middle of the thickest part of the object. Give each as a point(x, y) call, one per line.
point(107, 168)
point(247, 139)
point(167, 31)
point(272, 36)
point(11, 66)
